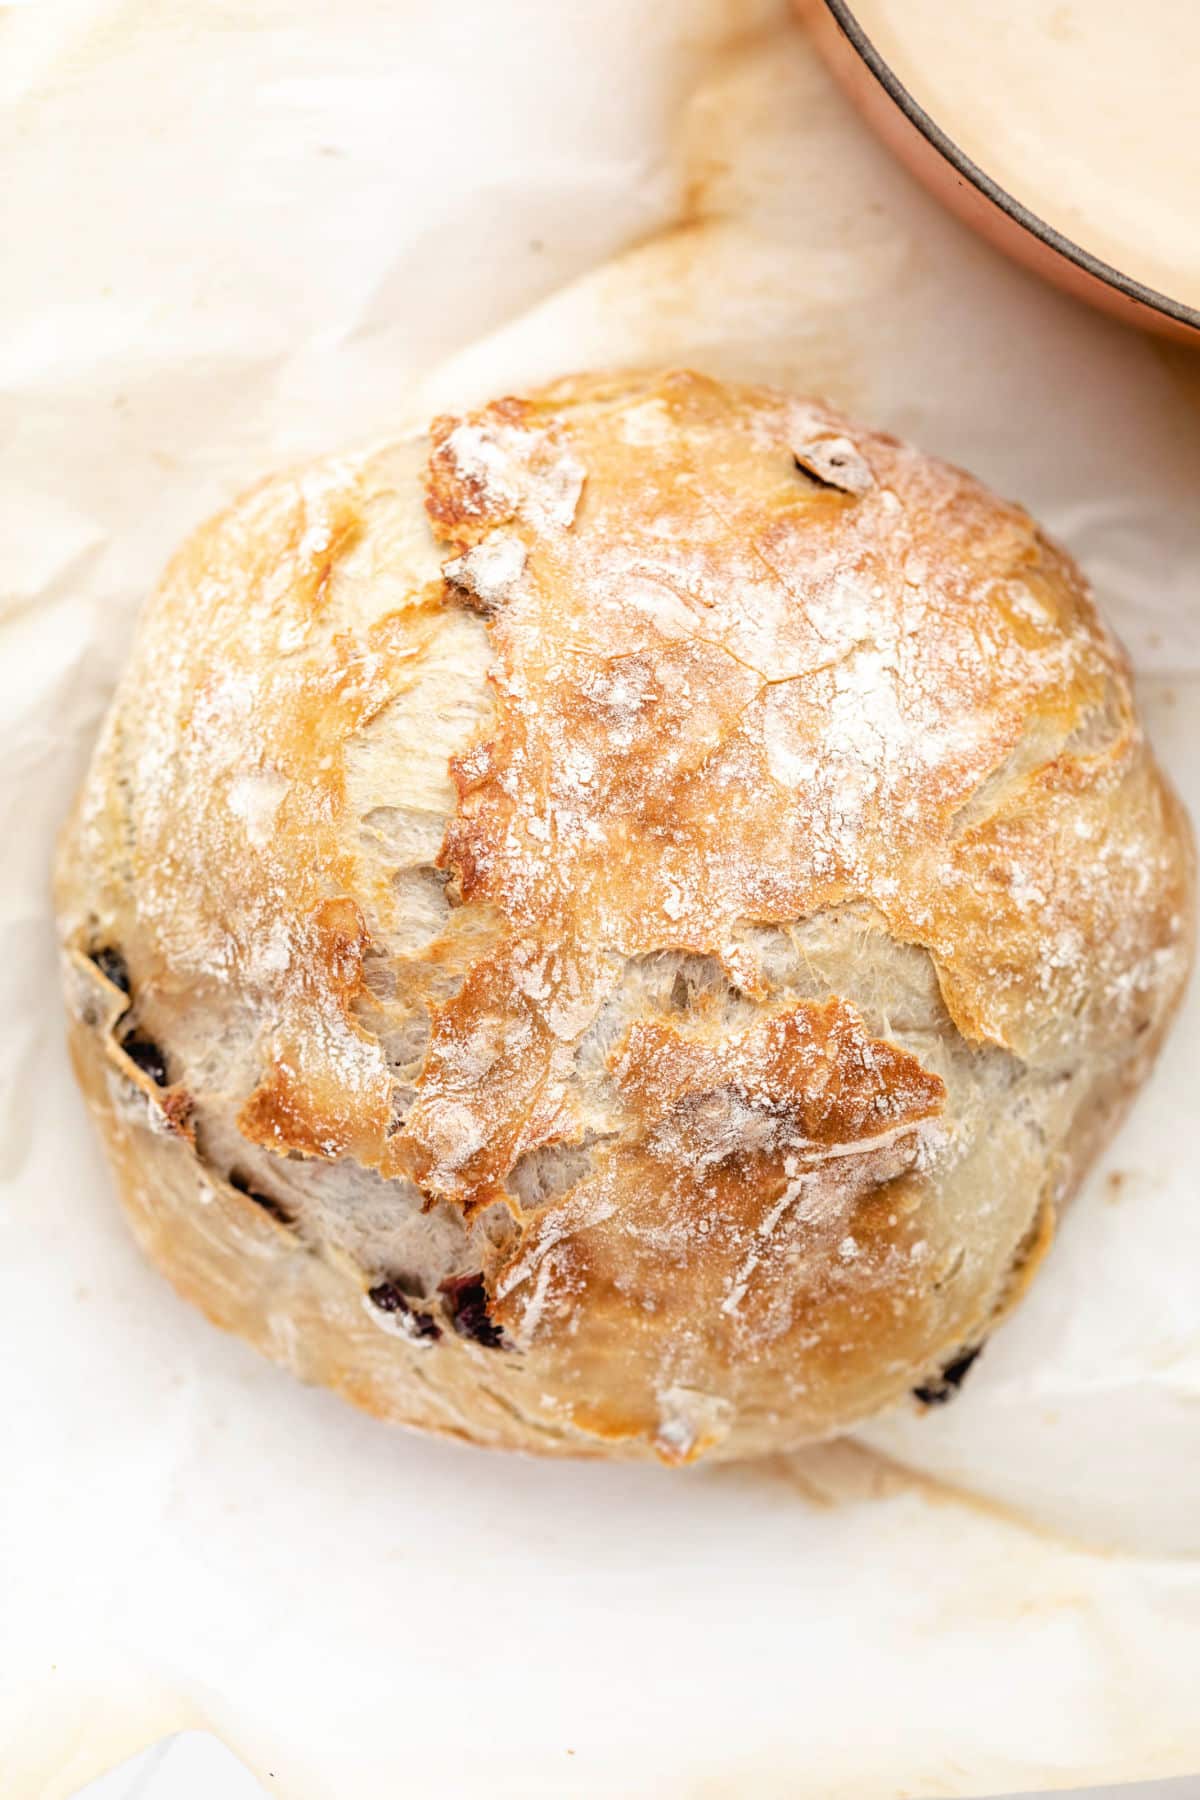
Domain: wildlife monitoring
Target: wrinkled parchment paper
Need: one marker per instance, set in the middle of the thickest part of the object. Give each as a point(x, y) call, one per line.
point(238, 234)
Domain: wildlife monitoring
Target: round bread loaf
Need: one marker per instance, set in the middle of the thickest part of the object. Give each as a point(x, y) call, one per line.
point(614, 928)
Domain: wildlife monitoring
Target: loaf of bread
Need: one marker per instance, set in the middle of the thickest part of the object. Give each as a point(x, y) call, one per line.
point(616, 927)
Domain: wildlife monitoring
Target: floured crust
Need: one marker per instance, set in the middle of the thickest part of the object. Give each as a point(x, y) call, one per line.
point(662, 888)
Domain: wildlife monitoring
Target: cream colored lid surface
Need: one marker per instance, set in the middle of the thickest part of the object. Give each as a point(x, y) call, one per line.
point(1085, 111)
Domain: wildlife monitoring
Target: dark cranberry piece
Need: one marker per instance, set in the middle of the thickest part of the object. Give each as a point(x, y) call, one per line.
point(112, 966)
point(279, 1213)
point(944, 1386)
point(148, 1057)
point(389, 1299)
point(467, 1300)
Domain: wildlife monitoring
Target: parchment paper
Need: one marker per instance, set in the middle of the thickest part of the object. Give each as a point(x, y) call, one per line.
point(236, 234)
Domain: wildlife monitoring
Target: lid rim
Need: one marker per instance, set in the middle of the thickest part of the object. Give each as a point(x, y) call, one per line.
point(1020, 214)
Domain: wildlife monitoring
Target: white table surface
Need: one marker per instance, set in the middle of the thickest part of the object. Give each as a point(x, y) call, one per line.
point(194, 1766)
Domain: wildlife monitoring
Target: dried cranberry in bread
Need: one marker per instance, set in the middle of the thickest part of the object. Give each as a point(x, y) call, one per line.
point(615, 930)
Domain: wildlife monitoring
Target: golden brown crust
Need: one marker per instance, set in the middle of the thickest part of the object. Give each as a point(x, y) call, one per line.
point(860, 663)
point(809, 904)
